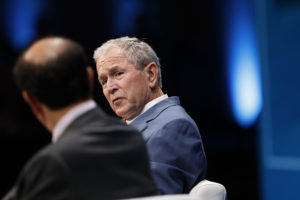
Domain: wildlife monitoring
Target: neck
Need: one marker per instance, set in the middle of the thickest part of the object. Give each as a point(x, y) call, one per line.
point(53, 116)
point(157, 92)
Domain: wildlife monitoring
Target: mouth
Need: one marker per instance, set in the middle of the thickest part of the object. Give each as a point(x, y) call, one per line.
point(116, 100)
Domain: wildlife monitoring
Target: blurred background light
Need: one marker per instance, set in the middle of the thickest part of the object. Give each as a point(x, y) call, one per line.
point(243, 63)
point(125, 16)
point(20, 21)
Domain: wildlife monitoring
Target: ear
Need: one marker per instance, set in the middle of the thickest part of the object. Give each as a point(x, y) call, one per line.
point(90, 74)
point(34, 104)
point(152, 73)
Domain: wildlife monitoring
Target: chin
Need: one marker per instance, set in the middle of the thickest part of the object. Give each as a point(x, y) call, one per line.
point(120, 114)
point(123, 113)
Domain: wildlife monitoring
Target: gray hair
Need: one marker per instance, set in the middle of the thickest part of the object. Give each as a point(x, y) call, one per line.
point(138, 52)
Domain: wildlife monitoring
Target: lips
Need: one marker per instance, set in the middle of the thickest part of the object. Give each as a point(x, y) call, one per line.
point(115, 100)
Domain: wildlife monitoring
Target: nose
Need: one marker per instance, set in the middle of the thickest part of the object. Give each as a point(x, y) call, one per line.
point(111, 86)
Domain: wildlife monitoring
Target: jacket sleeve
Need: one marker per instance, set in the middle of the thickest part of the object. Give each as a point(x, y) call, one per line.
point(43, 177)
point(177, 157)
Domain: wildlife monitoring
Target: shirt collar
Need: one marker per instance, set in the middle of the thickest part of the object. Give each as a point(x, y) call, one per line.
point(70, 116)
point(149, 105)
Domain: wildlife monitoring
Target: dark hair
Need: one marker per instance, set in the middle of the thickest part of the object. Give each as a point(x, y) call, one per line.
point(58, 81)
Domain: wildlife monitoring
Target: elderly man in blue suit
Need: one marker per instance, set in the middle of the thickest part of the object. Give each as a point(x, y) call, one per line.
point(129, 72)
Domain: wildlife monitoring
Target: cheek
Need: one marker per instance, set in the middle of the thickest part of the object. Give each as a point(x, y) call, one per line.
point(106, 94)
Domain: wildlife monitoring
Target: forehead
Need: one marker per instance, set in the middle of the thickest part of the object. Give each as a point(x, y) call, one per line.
point(111, 56)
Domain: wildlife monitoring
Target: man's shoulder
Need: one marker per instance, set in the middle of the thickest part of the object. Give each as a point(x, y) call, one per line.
point(101, 131)
point(172, 110)
point(43, 159)
point(174, 117)
point(89, 133)
point(100, 122)
point(162, 113)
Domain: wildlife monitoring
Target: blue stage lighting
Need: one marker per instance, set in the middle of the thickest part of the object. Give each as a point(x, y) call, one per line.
point(243, 64)
point(21, 17)
point(126, 14)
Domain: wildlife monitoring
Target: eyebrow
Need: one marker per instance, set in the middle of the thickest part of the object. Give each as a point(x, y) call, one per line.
point(110, 71)
point(114, 68)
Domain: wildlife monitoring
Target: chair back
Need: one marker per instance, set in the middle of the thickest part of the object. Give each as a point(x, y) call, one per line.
point(204, 190)
point(208, 190)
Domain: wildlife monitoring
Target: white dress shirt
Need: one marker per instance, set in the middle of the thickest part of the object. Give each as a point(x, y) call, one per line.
point(149, 105)
point(70, 116)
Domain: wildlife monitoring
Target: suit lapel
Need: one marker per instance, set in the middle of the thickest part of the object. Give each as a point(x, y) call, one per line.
point(141, 122)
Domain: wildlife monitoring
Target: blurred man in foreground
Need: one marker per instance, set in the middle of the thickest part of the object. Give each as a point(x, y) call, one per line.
point(129, 72)
point(93, 156)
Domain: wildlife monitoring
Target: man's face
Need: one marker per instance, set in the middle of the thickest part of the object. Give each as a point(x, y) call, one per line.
point(125, 87)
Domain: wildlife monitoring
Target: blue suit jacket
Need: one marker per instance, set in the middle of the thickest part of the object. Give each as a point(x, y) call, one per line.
point(174, 144)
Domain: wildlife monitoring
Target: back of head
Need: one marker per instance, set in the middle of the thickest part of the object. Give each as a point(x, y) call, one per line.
point(53, 70)
point(138, 52)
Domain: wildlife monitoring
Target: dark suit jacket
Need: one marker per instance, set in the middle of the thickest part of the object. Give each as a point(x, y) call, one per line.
point(97, 157)
point(177, 156)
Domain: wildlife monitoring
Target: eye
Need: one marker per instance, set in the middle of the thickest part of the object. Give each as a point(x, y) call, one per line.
point(103, 81)
point(118, 74)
